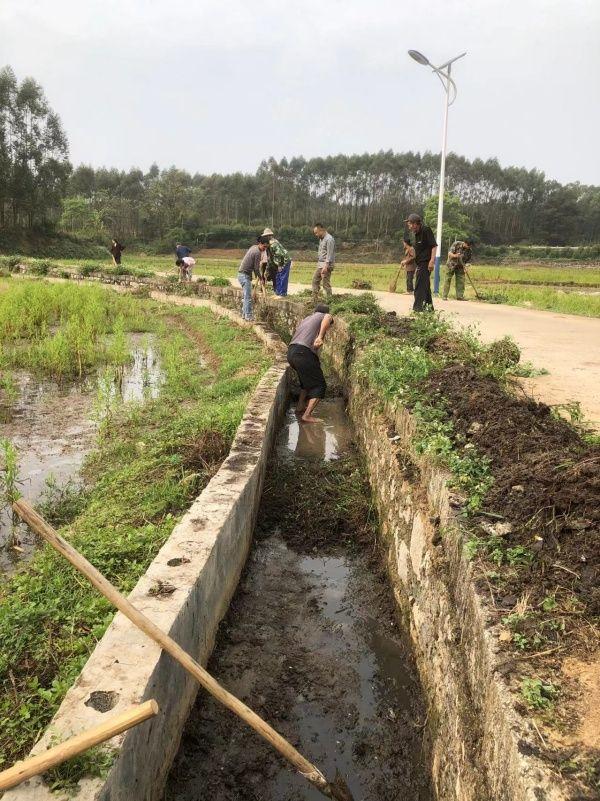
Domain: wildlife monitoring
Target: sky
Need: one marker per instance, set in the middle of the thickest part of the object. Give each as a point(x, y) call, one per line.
point(217, 86)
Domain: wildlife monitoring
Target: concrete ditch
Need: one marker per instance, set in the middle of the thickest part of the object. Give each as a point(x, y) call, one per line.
point(480, 747)
point(312, 642)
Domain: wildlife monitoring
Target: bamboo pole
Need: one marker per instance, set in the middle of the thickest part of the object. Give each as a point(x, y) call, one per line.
point(336, 789)
point(33, 766)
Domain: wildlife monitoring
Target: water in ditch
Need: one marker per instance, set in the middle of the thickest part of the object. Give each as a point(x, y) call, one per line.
point(311, 642)
point(53, 427)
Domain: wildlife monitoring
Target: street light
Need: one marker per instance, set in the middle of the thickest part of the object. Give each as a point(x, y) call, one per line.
point(447, 83)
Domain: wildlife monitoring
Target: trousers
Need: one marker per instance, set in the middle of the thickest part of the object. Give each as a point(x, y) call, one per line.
point(458, 271)
point(423, 296)
point(316, 282)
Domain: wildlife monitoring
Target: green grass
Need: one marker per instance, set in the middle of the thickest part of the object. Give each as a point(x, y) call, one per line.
point(64, 330)
point(141, 477)
point(552, 288)
point(395, 369)
point(545, 298)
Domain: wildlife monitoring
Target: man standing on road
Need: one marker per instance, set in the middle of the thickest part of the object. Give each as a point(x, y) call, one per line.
point(249, 267)
point(459, 256)
point(425, 246)
point(325, 262)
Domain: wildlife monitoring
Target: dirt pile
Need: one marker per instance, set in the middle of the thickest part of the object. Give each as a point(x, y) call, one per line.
point(546, 480)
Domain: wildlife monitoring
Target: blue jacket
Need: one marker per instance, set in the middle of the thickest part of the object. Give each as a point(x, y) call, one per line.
point(182, 251)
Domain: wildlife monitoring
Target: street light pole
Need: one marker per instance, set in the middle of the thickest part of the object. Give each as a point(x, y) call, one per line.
point(447, 82)
point(440, 214)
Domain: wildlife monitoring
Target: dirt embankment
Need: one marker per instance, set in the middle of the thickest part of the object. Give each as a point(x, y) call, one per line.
point(310, 642)
point(539, 558)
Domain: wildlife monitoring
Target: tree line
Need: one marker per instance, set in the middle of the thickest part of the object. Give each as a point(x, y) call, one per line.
point(360, 196)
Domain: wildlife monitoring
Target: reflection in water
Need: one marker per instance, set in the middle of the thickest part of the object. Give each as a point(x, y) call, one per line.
point(53, 427)
point(327, 439)
point(141, 379)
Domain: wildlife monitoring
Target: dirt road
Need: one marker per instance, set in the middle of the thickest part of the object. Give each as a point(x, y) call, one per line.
point(565, 345)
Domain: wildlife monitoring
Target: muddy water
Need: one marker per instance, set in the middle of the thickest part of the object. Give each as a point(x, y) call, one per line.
point(53, 428)
point(311, 642)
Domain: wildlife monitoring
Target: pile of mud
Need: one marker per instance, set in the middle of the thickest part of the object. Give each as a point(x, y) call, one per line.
point(546, 481)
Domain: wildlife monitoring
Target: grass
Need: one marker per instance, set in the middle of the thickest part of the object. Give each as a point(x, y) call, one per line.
point(65, 330)
point(395, 369)
point(552, 288)
point(546, 298)
point(150, 461)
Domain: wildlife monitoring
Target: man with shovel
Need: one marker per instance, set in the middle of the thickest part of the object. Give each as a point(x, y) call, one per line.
point(459, 256)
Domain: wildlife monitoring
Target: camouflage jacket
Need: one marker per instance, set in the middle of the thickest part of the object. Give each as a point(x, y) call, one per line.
point(277, 254)
point(463, 251)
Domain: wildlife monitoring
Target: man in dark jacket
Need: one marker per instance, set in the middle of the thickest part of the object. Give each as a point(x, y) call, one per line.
point(116, 248)
point(181, 252)
point(423, 241)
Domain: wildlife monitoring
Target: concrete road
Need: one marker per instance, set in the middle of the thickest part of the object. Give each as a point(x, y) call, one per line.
point(565, 345)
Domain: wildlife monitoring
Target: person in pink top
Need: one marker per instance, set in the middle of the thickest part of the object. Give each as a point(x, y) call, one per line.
point(185, 267)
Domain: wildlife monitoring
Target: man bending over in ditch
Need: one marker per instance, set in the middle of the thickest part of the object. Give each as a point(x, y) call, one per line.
point(303, 356)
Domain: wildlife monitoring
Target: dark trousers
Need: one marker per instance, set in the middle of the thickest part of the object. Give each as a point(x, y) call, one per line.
point(423, 296)
point(410, 280)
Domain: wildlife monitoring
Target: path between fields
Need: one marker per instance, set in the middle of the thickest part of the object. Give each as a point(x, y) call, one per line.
point(566, 345)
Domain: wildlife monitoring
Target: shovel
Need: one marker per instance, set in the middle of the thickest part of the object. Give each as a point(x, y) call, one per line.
point(338, 789)
point(477, 295)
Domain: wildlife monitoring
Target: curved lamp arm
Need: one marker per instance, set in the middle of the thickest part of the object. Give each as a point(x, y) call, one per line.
point(441, 75)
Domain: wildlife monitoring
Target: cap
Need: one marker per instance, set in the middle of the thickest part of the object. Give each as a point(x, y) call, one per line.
point(267, 232)
point(413, 218)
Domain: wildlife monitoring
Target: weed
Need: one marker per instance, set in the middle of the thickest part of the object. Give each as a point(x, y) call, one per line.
point(571, 410)
point(95, 762)
point(219, 281)
point(538, 694)
point(9, 394)
point(60, 505)
point(9, 479)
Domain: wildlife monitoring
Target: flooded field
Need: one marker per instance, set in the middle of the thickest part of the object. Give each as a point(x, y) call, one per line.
point(53, 427)
point(311, 641)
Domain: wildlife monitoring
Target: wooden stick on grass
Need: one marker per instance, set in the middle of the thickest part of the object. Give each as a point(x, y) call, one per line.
point(336, 789)
point(77, 744)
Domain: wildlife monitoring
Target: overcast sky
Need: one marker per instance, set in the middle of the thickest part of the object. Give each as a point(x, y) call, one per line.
point(216, 86)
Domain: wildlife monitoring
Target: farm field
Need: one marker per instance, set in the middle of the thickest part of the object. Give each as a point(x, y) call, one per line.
point(151, 452)
point(567, 289)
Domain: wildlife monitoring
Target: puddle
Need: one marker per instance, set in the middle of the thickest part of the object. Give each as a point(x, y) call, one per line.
point(53, 428)
point(328, 439)
point(310, 642)
point(142, 378)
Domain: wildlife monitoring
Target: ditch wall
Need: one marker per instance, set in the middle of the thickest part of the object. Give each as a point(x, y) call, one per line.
point(186, 591)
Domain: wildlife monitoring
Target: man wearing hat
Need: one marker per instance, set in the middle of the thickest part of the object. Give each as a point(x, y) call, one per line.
point(459, 256)
point(423, 241)
point(278, 264)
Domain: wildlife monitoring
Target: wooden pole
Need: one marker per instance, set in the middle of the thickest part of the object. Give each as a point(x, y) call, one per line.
point(77, 744)
point(336, 789)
